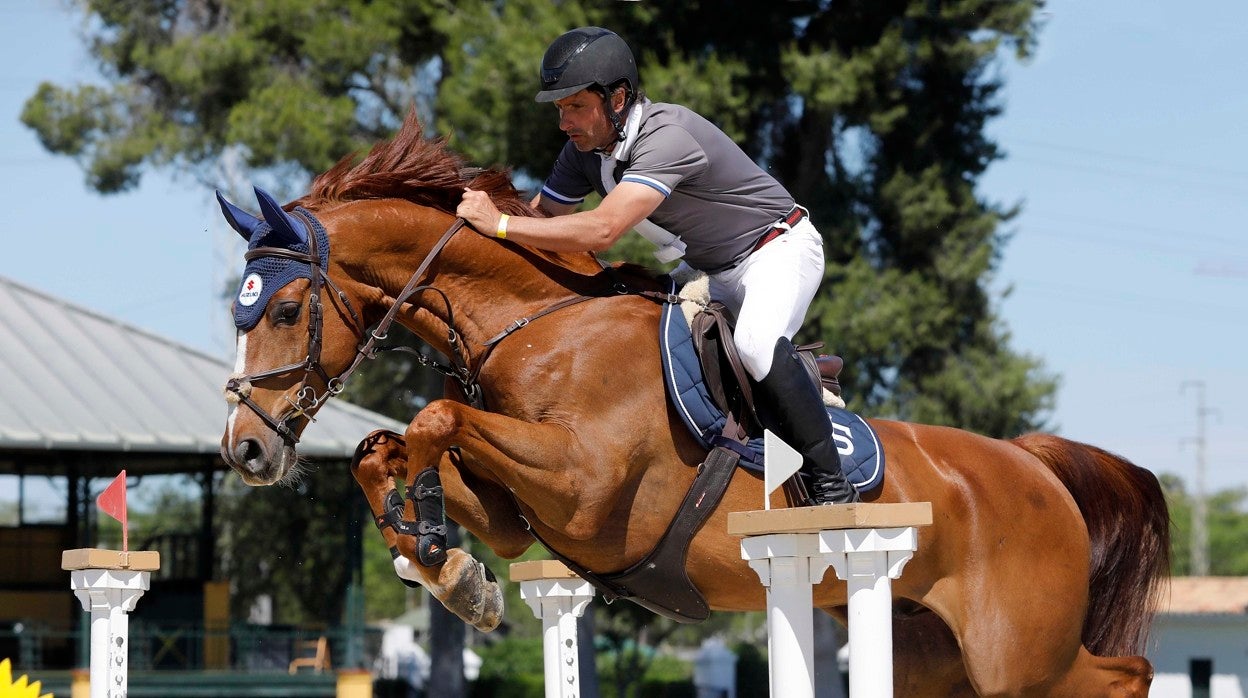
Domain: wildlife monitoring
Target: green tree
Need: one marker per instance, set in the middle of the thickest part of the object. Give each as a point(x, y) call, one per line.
point(287, 543)
point(871, 111)
point(903, 90)
point(1227, 527)
point(287, 84)
point(630, 635)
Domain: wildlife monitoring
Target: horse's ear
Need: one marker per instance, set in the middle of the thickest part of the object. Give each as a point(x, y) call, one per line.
point(288, 229)
point(239, 220)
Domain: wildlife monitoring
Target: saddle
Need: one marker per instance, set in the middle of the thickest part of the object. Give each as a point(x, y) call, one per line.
point(728, 383)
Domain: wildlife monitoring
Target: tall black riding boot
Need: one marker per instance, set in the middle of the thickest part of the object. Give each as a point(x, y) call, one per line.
point(794, 410)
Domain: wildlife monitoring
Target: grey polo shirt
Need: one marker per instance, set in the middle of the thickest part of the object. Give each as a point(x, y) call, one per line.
point(716, 198)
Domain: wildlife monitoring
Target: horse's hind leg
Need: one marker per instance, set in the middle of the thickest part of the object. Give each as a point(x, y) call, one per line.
point(1120, 677)
point(1028, 643)
point(927, 662)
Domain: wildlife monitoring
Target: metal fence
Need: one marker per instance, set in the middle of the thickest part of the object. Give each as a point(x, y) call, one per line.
point(182, 647)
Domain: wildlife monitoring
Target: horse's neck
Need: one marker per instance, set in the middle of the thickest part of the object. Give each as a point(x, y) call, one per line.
point(489, 285)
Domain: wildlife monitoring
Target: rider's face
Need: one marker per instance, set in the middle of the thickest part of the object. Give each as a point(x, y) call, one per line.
point(584, 119)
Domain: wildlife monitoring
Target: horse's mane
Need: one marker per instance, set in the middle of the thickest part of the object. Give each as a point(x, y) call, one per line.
point(409, 166)
point(426, 172)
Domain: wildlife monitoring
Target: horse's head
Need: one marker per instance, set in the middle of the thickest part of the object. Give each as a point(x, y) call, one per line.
point(290, 350)
point(385, 214)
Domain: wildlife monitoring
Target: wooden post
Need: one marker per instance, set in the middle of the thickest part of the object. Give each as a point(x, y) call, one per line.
point(558, 597)
point(791, 549)
point(109, 584)
point(354, 683)
point(217, 625)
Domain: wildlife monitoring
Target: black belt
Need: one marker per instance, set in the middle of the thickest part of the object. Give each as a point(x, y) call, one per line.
point(794, 217)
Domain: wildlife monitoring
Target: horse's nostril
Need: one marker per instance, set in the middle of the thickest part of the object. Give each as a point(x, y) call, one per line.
point(248, 452)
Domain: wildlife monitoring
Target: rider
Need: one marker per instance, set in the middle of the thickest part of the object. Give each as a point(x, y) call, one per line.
point(684, 184)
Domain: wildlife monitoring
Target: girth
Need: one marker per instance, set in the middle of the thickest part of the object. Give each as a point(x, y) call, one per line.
point(659, 581)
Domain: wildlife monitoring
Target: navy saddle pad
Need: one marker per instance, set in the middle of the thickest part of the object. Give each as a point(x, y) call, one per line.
point(862, 455)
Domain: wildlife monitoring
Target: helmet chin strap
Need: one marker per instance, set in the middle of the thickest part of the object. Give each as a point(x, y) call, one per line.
point(614, 117)
point(618, 123)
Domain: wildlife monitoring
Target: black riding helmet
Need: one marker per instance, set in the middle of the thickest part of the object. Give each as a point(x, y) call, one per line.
point(589, 58)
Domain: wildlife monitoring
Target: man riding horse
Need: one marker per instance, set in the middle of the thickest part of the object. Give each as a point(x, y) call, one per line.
point(1058, 547)
point(684, 184)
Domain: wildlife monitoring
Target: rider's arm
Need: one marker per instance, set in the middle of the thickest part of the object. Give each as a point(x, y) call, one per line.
point(552, 207)
point(593, 230)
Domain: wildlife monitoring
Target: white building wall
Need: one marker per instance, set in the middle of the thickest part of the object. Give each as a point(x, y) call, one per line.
point(1178, 639)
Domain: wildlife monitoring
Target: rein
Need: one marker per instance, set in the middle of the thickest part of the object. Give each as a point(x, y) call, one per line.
point(307, 398)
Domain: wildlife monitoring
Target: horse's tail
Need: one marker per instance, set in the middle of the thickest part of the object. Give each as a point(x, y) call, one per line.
point(1129, 529)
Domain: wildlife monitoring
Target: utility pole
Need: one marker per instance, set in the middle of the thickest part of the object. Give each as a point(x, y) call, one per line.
point(1200, 505)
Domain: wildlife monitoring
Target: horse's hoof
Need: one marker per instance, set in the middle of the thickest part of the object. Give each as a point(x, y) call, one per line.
point(492, 604)
point(475, 597)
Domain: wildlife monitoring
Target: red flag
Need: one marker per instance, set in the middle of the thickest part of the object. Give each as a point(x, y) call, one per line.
point(112, 501)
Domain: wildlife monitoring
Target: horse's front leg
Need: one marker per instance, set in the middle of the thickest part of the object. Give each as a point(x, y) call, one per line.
point(483, 508)
point(533, 461)
point(378, 459)
point(530, 460)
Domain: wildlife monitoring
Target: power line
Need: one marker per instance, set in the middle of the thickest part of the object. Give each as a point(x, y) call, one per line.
point(1137, 228)
point(1194, 169)
point(1180, 248)
point(1222, 268)
point(1110, 172)
point(1087, 295)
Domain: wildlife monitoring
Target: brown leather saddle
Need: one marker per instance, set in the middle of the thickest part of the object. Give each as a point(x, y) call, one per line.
point(725, 376)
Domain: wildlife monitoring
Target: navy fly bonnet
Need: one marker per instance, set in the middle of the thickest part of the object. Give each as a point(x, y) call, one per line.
point(263, 276)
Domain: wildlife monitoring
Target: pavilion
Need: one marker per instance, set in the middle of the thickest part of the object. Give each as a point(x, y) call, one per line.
point(83, 397)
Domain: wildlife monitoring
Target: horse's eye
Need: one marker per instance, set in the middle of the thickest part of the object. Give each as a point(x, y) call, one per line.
point(285, 313)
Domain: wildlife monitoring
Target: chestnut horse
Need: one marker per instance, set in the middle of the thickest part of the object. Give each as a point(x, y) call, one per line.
point(1037, 576)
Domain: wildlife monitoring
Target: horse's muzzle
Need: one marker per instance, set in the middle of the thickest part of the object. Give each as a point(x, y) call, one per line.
point(253, 463)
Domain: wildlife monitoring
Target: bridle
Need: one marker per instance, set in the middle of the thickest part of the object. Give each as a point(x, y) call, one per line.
point(307, 399)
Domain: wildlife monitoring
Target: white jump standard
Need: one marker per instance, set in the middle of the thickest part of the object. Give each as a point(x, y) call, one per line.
point(558, 597)
point(109, 584)
point(791, 549)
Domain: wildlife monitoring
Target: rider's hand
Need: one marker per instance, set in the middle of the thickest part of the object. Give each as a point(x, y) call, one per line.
point(480, 212)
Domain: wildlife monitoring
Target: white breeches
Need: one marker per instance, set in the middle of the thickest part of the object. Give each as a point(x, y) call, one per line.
point(770, 291)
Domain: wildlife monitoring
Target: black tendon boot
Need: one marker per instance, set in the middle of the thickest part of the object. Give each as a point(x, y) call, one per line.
point(797, 415)
point(426, 493)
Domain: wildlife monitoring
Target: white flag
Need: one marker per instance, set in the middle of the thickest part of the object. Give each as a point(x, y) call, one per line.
point(780, 461)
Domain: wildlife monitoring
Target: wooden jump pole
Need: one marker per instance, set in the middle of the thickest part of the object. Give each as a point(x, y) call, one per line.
point(109, 583)
point(791, 549)
point(558, 597)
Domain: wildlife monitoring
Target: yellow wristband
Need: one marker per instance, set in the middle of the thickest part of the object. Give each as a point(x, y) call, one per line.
point(502, 226)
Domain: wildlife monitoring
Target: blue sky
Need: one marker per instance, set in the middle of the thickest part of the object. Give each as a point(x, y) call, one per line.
point(1127, 148)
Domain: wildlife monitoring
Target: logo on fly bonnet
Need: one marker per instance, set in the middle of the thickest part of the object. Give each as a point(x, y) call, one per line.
point(253, 285)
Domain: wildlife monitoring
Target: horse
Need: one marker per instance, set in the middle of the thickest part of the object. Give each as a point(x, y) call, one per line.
point(1037, 576)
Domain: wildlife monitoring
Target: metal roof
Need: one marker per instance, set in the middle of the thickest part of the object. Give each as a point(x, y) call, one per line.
point(72, 380)
point(1205, 595)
